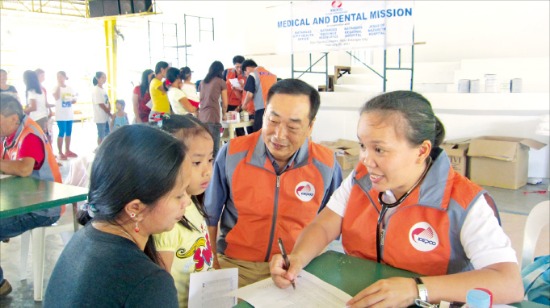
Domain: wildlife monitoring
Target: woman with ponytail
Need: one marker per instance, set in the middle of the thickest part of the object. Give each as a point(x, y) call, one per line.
point(158, 90)
point(178, 100)
point(102, 107)
point(112, 261)
point(404, 205)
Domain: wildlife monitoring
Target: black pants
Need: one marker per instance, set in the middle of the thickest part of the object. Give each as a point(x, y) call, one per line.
point(258, 120)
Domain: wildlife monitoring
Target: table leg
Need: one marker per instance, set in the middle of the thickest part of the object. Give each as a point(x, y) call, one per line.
point(38, 244)
point(75, 219)
point(231, 131)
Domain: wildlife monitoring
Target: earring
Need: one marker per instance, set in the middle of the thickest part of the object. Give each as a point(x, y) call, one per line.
point(133, 215)
point(136, 229)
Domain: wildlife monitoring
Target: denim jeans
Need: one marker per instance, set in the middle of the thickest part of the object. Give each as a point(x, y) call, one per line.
point(215, 130)
point(16, 225)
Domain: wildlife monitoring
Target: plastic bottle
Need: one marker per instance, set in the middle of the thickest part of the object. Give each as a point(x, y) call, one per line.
point(478, 299)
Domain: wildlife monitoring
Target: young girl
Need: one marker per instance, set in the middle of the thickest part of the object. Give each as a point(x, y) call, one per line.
point(102, 108)
point(120, 118)
point(186, 248)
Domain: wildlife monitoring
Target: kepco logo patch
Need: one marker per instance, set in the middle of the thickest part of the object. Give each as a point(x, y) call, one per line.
point(305, 191)
point(423, 237)
point(336, 4)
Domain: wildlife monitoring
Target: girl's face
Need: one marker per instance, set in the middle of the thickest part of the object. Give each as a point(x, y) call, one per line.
point(101, 80)
point(119, 107)
point(170, 208)
point(201, 153)
point(393, 164)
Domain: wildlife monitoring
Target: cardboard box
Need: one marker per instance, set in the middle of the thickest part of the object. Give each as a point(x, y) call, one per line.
point(500, 161)
point(456, 150)
point(347, 152)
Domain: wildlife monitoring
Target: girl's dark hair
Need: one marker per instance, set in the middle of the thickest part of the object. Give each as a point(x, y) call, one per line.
point(150, 156)
point(215, 70)
point(96, 77)
point(144, 86)
point(420, 122)
point(171, 75)
point(31, 81)
point(190, 127)
point(160, 65)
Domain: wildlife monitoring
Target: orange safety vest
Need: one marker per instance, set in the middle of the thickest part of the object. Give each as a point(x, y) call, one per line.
point(423, 233)
point(264, 80)
point(231, 94)
point(49, 170)
point(271, 206)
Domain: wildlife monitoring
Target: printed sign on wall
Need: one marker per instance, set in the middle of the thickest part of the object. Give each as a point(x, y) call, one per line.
point(343, 25)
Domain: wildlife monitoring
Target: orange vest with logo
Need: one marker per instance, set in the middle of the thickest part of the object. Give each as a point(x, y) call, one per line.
point(422, 234)
point(264, 206)
point(264, 80)
point(49, 170)
point(232, 97)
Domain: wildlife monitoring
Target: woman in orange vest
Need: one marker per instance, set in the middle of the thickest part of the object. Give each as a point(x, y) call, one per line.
point(405, 206)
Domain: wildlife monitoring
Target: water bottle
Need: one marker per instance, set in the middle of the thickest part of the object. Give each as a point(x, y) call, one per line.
point(477, 298)
point(244, 116)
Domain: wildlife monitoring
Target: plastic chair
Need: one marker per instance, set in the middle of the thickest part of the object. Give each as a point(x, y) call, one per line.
point(536, 221)
point(37, 235)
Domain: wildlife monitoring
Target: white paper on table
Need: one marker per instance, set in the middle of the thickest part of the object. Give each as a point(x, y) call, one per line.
point(235, 83)
point(149, 104)
point(310, 292)
point(3, 176)
point(213, 288)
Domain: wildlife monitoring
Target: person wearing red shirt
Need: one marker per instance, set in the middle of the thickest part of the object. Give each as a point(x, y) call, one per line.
point(25, 152)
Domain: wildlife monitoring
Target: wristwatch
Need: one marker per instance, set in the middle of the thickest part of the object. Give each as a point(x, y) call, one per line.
point(422, 290)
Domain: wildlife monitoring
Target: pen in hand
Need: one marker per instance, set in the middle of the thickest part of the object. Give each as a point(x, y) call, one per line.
point(285, 258)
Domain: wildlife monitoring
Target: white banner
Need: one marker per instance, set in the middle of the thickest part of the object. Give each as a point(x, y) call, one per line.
point(343, 25)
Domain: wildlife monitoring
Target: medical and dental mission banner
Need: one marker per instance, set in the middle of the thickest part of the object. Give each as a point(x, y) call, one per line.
point(307, 26)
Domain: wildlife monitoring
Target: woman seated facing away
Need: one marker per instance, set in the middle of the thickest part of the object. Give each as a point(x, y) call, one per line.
point(405, 206)
point(137, 188)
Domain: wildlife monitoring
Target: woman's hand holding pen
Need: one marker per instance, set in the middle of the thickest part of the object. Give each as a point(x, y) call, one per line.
point(282, 277)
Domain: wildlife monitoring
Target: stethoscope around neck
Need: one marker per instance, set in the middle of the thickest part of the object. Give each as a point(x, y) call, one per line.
point(386, 206)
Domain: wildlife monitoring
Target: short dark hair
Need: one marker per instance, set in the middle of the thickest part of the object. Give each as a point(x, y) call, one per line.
point(247, 63)
point(238, 59)
point(420, 121)
point(172, 74)
point(297, 87)
point(9, 105)
point(127, 162)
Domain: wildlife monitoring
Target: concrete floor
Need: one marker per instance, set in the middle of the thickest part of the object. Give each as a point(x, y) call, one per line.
point(514, 206)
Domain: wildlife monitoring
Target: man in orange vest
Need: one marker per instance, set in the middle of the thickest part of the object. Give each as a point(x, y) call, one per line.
point(25, 152)
point(235, 94)
point(258, 82)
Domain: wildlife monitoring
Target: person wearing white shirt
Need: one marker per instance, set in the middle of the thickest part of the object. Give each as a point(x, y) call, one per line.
point(65, 97)
point(404, 205)
point(178, 101)
point(102, 108)
point(36, 100)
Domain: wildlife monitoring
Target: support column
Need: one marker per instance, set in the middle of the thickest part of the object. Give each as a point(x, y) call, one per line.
point(111, 56)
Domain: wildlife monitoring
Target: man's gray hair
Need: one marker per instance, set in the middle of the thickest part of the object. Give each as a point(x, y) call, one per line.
point(9, 105)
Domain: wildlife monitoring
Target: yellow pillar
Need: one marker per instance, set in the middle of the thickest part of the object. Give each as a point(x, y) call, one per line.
point(111, 53)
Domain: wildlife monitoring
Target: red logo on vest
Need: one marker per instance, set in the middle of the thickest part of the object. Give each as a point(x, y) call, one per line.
point(304, 191)
point(423, 237)
point(336, 4)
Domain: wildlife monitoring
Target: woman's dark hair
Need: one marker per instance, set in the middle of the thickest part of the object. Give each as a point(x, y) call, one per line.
point(96, 77)
point(31, 81)
point(297, 87)
point(144, 85)
point(215, 70)
point(149, 156)
point(190, 127)
point(160, 66)
point(171, 75)
point(420, 121)
point(185, 72)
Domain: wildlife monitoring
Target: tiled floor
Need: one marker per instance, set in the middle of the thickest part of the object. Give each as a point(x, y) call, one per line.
point(513, 204)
